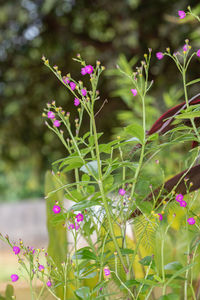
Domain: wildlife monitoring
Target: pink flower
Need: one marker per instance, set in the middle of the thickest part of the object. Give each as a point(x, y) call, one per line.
point(185, 47)
point(56, 209)
point(50, 115)
point(122, 192)
point(181, 14)
point(106, 271)
point(33, 250)
point(191, 221)
point(41, 268)
point(83, 71)
point(14, 277)
point(49, 283)
point(159, 55)
point(183, 203)
point(134, 91)
point(160, 217)
point(179, 197)
point(79, 217)
point(89, 69)
point(84, 92)
point(16, 250)
point(77, 226)
point(76, 102)
point(72, 85)
point(198, 53)
point(66, 80)
point(56, 123)
point(71, 226)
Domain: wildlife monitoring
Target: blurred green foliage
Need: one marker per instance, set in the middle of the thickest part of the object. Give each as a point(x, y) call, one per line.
point(60, 29)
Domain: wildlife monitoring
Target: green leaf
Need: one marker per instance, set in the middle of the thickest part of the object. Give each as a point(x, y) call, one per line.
point(169, 297)
point(90, 189)
point(146, 261)
point(83, 293)
point(188, 115)
point(126, 251)
point(193, 81)
point(9, 292)
point(153, 137)
point(90, 275)
point(108, 182)
point(136, 131)
point(70, 160)
point(130, 283)
point(84, 253)
point(179, 272)
point(175, 265)
point(85, 204)
point(85, 177)
point(75, 196)
point(92, 166)
point(156, 277)
point(144, 206)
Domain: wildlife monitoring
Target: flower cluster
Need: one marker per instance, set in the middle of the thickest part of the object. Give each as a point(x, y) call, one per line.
point(179, 199)
point(79, 218)
point(27, 253)
point(186, 48)
point(87, 70)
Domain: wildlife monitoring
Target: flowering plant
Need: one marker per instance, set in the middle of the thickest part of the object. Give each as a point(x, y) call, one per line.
point(110, 197)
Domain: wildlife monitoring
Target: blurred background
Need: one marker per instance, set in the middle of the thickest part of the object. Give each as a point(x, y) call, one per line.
point(118, 32)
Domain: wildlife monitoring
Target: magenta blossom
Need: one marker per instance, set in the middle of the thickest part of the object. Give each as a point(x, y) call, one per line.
point(56, 123)
point(72, 85)
point(89, 69)
point(16, 250)
point(191, 221)
point(56, 209)
point(66, 80)
point(134, 92)
point(49, 283)
point(183, 203)
point(76, 102)
point(79, 217)
point(106, 271)
point(181, 14)
point(159, 55)
point(41, 268)
point(14, 277)
point(185, 48)
point(83, 71)
point(71, 226)
point(50, 115)
point(77, 226)
point(160, 217)
point(198, 53)
point(122, 192)
point(84, 92)
point(179, 197)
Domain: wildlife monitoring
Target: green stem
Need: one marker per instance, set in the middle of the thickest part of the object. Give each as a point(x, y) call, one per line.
point(129, 291)
point(187, 271)
point(100, 183)
point(187, 102)
point(142, 150)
